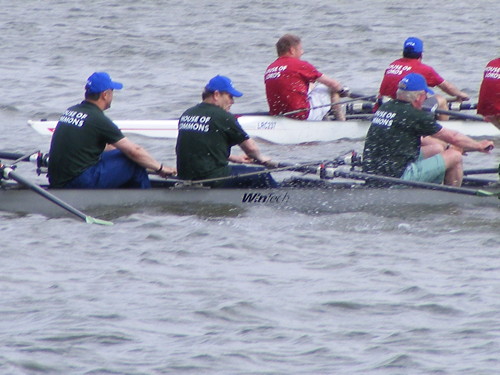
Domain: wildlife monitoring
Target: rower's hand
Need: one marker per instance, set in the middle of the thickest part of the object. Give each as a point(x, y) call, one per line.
point(486, 146)
point(344, 92)
point(241, 159)
point(269, 164)
point(167, 172)
point(463, 97)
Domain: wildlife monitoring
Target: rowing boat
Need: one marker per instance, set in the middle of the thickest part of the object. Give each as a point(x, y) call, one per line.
point(279, 130)
point(307, 195)
point(331, 186)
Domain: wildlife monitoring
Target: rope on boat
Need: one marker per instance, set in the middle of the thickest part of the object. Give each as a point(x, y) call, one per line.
point(325, 170)
point(185, 183)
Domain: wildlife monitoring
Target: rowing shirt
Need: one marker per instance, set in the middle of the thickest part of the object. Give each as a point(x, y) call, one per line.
point(206, 134)
point(393, 139)
point(489, 93)
point(400, 68)
point(78, 142)
point(287, 84)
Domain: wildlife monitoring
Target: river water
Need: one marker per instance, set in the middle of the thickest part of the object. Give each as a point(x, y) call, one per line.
point(253, 291)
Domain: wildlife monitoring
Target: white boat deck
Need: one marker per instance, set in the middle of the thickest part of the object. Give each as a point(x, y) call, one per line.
point(279, 130)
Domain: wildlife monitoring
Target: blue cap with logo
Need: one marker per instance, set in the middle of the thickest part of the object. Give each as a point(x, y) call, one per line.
point(101, 81)
point(414, 82)
point(413, 44)
point(222, 83)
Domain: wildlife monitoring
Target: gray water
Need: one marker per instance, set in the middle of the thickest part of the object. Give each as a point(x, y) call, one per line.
point(256, 291)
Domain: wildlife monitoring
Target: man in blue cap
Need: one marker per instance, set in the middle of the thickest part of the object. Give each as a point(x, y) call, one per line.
point(411, 62)
point(394, 145)
point(89, 151)
point(207, 132)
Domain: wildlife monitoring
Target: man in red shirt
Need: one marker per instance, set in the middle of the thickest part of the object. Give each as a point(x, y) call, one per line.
point(488, 104)
point(411, 62)
point(290, 84)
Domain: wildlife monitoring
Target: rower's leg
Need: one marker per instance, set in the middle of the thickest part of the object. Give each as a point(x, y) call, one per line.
point(443, 105)
point(454, 167)
point(430, 146)
point(338, 110)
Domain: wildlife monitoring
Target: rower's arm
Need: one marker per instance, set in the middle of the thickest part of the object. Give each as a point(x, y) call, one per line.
point(336, 89)
point(452, 90)
point(252, 150)
point(240, 159)
point(464, 142)
point(335, 85)
point(142, 157)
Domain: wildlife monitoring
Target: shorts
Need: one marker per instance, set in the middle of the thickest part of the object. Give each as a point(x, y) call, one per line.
point(320, 95)
point(431, 170)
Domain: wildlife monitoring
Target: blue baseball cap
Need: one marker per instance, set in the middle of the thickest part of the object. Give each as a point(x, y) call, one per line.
point(222, 83)
point(413, 44)
point(414, 82)
point(101, 81)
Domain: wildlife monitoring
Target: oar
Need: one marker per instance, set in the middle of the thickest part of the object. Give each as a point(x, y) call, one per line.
point(353, 96)
point(454, 106)
point(41, 160)
point(313, 167)
point(423, 185)
point(478, 182)
point(464, 116)
point(252, 114)
point(279, 167)
point(482, 171)
point(310, 168)
point(324, 168)
point(8, 172)
point(363, 108)
point(370, 98)
point(326, 105)
point(16, 156)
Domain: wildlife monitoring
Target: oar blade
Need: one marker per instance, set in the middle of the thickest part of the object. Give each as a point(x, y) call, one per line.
point(93, 220)
point(485, 193)
point(8, 172)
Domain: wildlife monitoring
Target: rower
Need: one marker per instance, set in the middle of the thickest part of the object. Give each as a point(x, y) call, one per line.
point(293, 84)
point(89, 151)
point(488, 103)
point(411, 62)
point(207, 132)
point(393, 143)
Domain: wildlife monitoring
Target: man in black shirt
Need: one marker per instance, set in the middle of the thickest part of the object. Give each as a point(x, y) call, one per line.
point(89, 151)
point(398, 145)
point(207, 132)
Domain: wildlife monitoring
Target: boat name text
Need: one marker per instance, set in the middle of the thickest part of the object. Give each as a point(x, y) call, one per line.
point(268, 198)
point(266, 125)
point(195, 123)
point(383, 118)
point(73, 118)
